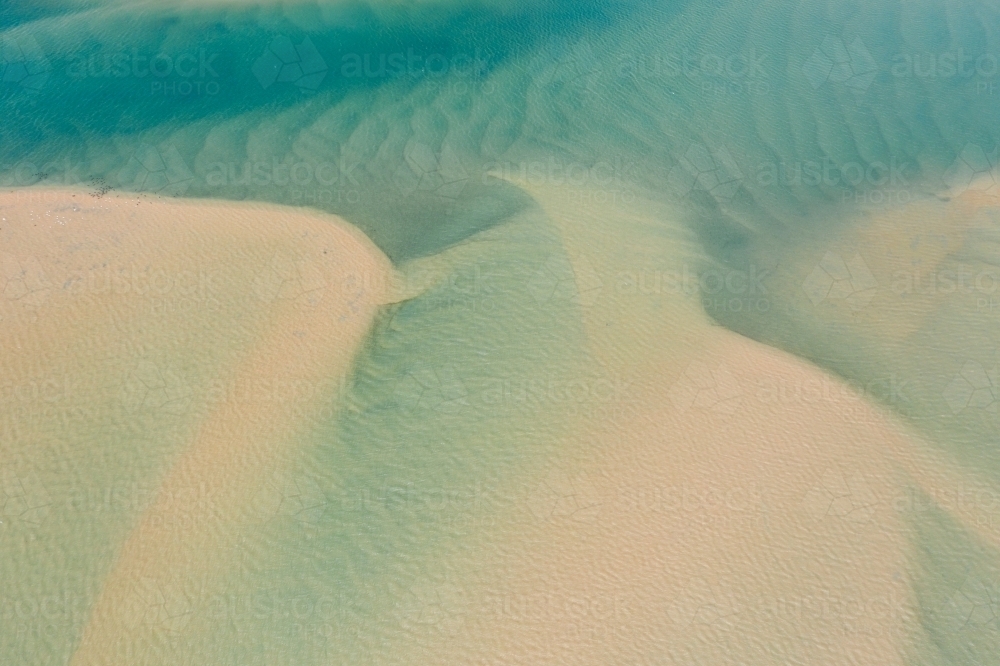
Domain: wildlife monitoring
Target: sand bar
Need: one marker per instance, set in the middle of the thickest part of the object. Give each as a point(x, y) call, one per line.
point(302, 288)
point(747, 510)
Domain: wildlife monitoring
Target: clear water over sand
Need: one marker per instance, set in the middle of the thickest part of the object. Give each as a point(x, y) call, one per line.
point(499, 333)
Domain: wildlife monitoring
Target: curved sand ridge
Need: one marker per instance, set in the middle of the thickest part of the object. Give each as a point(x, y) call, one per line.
point(308, 286)
point(748, 510)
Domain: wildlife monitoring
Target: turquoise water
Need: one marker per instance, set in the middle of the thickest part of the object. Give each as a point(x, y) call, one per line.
point(771, 128)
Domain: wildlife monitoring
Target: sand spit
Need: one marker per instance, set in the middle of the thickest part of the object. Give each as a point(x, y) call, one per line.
point(298, 284)
point(742, 513)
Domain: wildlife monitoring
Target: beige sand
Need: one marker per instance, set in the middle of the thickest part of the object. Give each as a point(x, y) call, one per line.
point(909, 250)
point(765, 535)
point(306, 312)
point(746, 511)
point(927, 256)
point(741, 507)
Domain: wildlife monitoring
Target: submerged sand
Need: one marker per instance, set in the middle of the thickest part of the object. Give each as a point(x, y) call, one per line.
point(282, 297)
point(742, 505)
point(751, 508)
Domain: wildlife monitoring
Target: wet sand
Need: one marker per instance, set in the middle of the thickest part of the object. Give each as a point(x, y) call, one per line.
point(744, 506)
point(304, 314)
point(750, 510)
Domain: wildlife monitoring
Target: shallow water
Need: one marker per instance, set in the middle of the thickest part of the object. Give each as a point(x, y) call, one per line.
point(576, 198)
